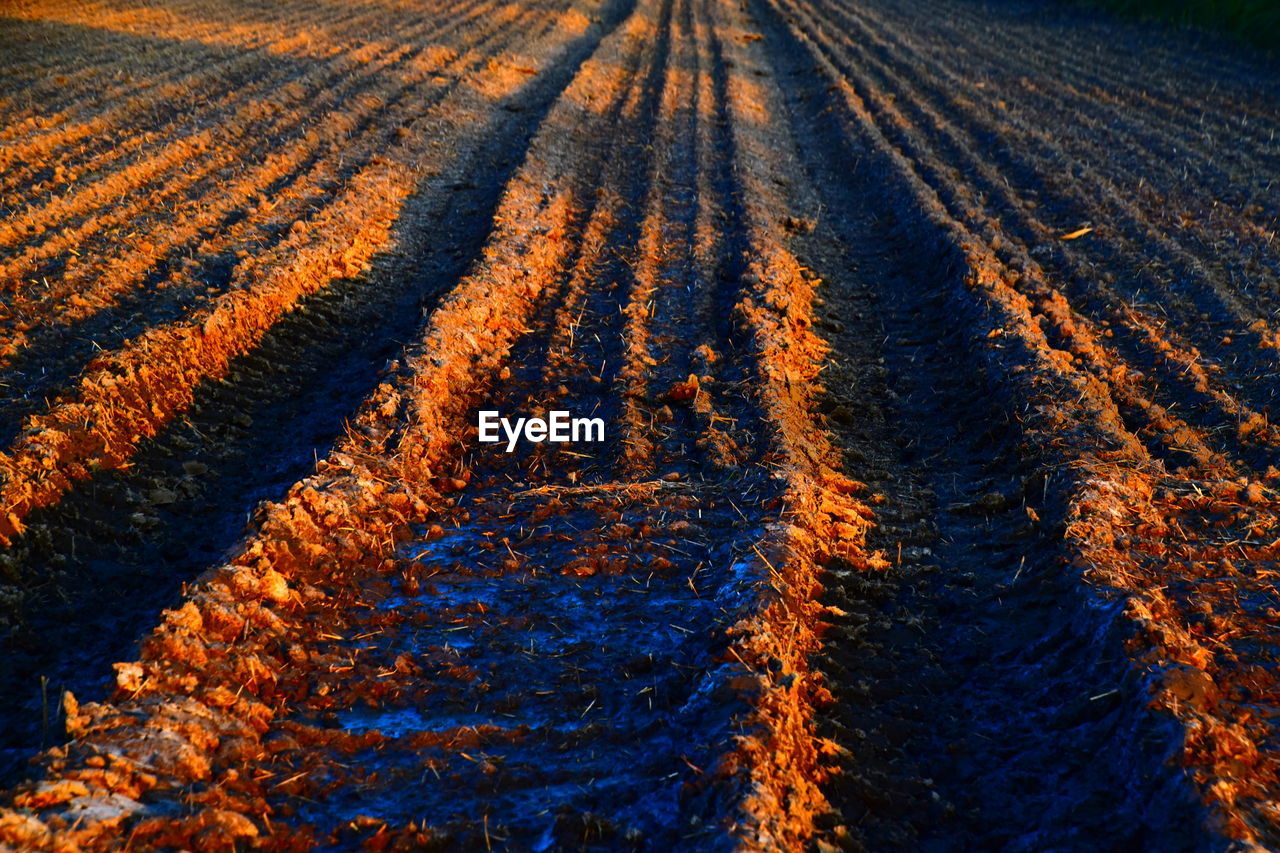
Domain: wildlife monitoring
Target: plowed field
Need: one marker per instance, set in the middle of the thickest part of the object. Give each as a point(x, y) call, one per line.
point(937, 506)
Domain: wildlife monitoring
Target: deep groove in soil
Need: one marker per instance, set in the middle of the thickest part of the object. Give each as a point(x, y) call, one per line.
point(99, 567)
point(937, 506)
point(973, 669)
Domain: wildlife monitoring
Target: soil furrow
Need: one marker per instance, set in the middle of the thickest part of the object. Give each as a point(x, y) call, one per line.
point(1146, 403)
point(1089, 79)
point(190, 164)
point(1175, 260)
point(1194, 98)
point(1154, 348)
point(914, 361)
point(84, 161)
point(245, 438)
point(130, 393)
point(1111, 486)
point(304, 177)
point(518, 196)
point(166, 63)
point(593, 636)
point(949, 622)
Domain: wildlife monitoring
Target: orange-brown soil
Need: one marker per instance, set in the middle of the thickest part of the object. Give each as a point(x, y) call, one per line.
point(937, 507)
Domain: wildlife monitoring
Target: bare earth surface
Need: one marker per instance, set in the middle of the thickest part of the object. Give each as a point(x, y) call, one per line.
point(936, 340)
